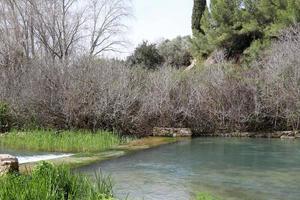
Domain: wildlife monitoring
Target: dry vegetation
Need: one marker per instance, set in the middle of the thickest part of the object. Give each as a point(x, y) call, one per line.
point(89, 93)
point(51, 86)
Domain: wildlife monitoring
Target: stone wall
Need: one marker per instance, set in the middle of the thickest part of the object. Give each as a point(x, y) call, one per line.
point(172, 132)
point(276, 134)
point(186, 132)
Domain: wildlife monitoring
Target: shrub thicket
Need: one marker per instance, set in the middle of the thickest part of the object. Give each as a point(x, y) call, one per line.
point(89, 93)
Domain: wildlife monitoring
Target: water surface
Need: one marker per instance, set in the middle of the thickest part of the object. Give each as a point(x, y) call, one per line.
point(229, 168)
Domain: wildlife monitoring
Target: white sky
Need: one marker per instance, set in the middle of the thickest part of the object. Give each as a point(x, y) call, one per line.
point(157, 19)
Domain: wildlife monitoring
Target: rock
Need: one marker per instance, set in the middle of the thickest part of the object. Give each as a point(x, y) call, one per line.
point(8, 164)
point(242, 134)
point(288, 133)
point(297, 136)
point(277, 134)
point(193, 64)
point(245, 134)
point(172, 132)
point(287, 137)
point(291, 134)
point(259, 135)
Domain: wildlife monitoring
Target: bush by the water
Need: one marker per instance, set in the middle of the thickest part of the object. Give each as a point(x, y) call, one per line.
point(65, 141)
point(52, 183)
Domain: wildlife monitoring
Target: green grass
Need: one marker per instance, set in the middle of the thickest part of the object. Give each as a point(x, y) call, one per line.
point(67, 141)
point(54, 183)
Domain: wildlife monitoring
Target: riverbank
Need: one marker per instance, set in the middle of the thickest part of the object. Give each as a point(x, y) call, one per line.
point(84, 147)
point(103, 191)
point(85, 158)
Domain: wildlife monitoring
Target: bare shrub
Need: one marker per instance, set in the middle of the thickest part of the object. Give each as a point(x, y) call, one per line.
point(86, 92)
point(280, 78)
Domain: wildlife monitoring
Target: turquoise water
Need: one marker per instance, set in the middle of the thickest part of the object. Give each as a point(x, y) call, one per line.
point(238, 169)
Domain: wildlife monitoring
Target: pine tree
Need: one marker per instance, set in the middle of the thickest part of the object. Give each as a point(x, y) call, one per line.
point(198, 10)
point(243, 27)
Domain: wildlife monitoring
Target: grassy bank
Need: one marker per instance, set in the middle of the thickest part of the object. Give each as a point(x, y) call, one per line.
point(50, 183)
point(67, 141)
point(86, 158)
point(87, 147)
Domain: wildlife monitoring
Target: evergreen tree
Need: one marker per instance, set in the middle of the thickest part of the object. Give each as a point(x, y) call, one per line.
point(244, 27)
point(198, 10)
point(146, 55)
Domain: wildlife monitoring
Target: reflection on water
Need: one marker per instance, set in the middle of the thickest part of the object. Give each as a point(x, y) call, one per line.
point(229, 168)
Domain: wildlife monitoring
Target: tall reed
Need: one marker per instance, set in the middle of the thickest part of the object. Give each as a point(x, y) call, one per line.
point(66, 141)
point(48, 182)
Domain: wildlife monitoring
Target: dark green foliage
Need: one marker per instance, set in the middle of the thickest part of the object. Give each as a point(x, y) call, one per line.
point(5, 121)
point(146, 55)
point(198, 11)
point(53, 183)
point(243, 26)
point(176, 52)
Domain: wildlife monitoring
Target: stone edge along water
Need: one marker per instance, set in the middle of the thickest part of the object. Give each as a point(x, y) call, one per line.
point(171, 132)
point(8, 164)
point(276, 134)
point(186, 132)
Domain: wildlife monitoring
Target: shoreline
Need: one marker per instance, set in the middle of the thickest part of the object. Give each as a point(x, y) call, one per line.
point(81, 159)
point(86, 158)
point(270, 134)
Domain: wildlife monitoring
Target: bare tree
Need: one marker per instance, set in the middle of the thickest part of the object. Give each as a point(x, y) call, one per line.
point(57, 26)
point(61, 28)
point(107, 23)
point(11, 32)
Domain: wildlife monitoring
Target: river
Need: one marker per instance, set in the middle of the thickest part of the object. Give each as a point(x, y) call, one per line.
point(231, 168)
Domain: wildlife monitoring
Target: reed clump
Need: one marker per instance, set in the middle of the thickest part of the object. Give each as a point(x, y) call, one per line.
point(48, 182)
point(65, 141)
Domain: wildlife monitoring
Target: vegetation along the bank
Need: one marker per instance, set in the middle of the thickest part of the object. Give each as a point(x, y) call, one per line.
point(245, 77)
point(64, 141)
point(48, 182)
